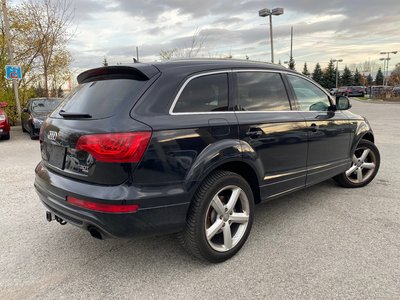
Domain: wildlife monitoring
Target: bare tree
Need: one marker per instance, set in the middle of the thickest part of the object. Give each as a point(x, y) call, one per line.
point(50, 31)
point(189, 50)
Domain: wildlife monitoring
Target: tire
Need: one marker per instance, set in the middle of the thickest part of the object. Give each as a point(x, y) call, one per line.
point(5, 137)
point(23, 128)
point(32, 133)
point(220, 222)
point(359, 175)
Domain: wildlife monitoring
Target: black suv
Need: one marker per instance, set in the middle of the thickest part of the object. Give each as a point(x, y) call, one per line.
point(190, 147)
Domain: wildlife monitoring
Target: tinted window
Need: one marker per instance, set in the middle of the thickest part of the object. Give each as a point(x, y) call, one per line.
point(204, 94)
point(309, 96)
point(100, 99)
point(259, 91)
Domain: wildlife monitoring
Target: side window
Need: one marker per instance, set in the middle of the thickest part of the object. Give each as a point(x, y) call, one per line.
point(204, 94)
point(259, 91)
point(309, 96)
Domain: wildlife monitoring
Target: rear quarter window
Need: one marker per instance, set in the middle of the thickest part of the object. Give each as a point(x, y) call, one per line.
point(101, 99)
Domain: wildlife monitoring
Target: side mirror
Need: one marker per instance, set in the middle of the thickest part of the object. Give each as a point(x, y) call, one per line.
point(25, 110)
point(343, 103)
point(3, 104)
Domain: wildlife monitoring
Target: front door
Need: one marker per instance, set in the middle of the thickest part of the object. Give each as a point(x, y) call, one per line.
point(329, 131)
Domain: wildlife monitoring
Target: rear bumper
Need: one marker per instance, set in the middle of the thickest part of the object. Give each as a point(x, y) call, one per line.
point(160, 212)
point(4, 128)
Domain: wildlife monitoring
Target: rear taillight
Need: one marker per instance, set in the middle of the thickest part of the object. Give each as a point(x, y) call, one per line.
point(126, 147)
point(101, 207)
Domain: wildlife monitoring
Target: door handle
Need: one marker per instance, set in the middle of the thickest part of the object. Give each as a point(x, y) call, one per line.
point(313, 127)
point(254, 132)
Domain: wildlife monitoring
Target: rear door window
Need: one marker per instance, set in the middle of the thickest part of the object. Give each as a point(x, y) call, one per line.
point(101, 98)
point(208, 93)
point(261, 91)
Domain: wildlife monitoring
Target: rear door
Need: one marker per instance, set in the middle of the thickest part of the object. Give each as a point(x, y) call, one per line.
point(275, 132)
point(329, 131)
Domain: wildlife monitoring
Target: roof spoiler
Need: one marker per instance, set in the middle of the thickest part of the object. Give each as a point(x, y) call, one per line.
point(140, 72)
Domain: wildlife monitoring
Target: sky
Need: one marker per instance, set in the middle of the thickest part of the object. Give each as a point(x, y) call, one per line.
point(355, 31)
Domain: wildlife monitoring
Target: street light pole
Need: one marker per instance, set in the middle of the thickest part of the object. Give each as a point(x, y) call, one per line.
point(337, 70)
point(271, 35)
point(268, 13)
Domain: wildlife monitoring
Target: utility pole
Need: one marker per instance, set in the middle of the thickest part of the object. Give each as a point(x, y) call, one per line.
point(10, 53)
point(386, 60)
point(137, 53)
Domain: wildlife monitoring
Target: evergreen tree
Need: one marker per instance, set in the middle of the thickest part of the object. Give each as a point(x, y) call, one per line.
point(357, 78)
point(370, 80)
point(305, 70)
point(330, 76)
point(347, 77)
point(379, 77)
point(105, 63)
point(317, 75)
point(292, 64)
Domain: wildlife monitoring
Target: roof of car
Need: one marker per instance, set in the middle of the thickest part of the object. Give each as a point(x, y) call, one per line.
point(181, 66)
point(215, 63)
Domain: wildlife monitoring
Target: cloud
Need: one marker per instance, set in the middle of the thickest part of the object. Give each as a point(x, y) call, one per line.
point(354, 30)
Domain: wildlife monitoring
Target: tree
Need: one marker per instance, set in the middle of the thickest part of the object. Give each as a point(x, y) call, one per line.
point(379, 77)
point(370, 80)
point(330, 75)
point(305, 70)
point(196, 44)
point(347, 77)
point(357, 78)
point(292, 64)
point(51, 21)
point(105, 63)
point(317, 75)
point(395, 75)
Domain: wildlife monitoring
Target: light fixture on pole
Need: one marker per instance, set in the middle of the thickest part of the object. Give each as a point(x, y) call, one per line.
point(269, 13)
point(386, 72)
point(337, 61)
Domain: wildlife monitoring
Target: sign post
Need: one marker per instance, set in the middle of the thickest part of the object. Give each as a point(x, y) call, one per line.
point(11, 55)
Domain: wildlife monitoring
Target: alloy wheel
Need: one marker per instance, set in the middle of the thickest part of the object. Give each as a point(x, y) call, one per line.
point(227, 218)
point(363, 166)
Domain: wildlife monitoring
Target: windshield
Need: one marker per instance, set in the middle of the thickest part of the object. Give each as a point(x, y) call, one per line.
point(44, 105)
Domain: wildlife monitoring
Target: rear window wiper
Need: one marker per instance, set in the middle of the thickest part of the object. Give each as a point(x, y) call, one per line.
point(65, 114)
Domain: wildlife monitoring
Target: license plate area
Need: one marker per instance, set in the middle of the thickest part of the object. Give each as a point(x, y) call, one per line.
point(55, 155)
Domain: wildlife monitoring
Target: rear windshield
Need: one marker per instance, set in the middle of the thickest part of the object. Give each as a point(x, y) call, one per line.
point(44, 105)
point(101, 99)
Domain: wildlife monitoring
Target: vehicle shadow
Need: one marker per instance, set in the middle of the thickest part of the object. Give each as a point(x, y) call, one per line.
point(160, 252)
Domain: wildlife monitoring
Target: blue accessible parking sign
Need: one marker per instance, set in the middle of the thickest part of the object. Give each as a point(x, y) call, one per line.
point(13, 72)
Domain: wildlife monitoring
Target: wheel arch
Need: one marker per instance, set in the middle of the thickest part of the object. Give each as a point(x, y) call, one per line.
point(239, 167)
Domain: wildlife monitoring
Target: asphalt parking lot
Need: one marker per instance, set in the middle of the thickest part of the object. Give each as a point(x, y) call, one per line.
point(324, 242)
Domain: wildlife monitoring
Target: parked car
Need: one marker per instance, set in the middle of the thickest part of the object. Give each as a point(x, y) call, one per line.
point(350, 91)
point(190, 147)
point(35, 112)
point(4, 122)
